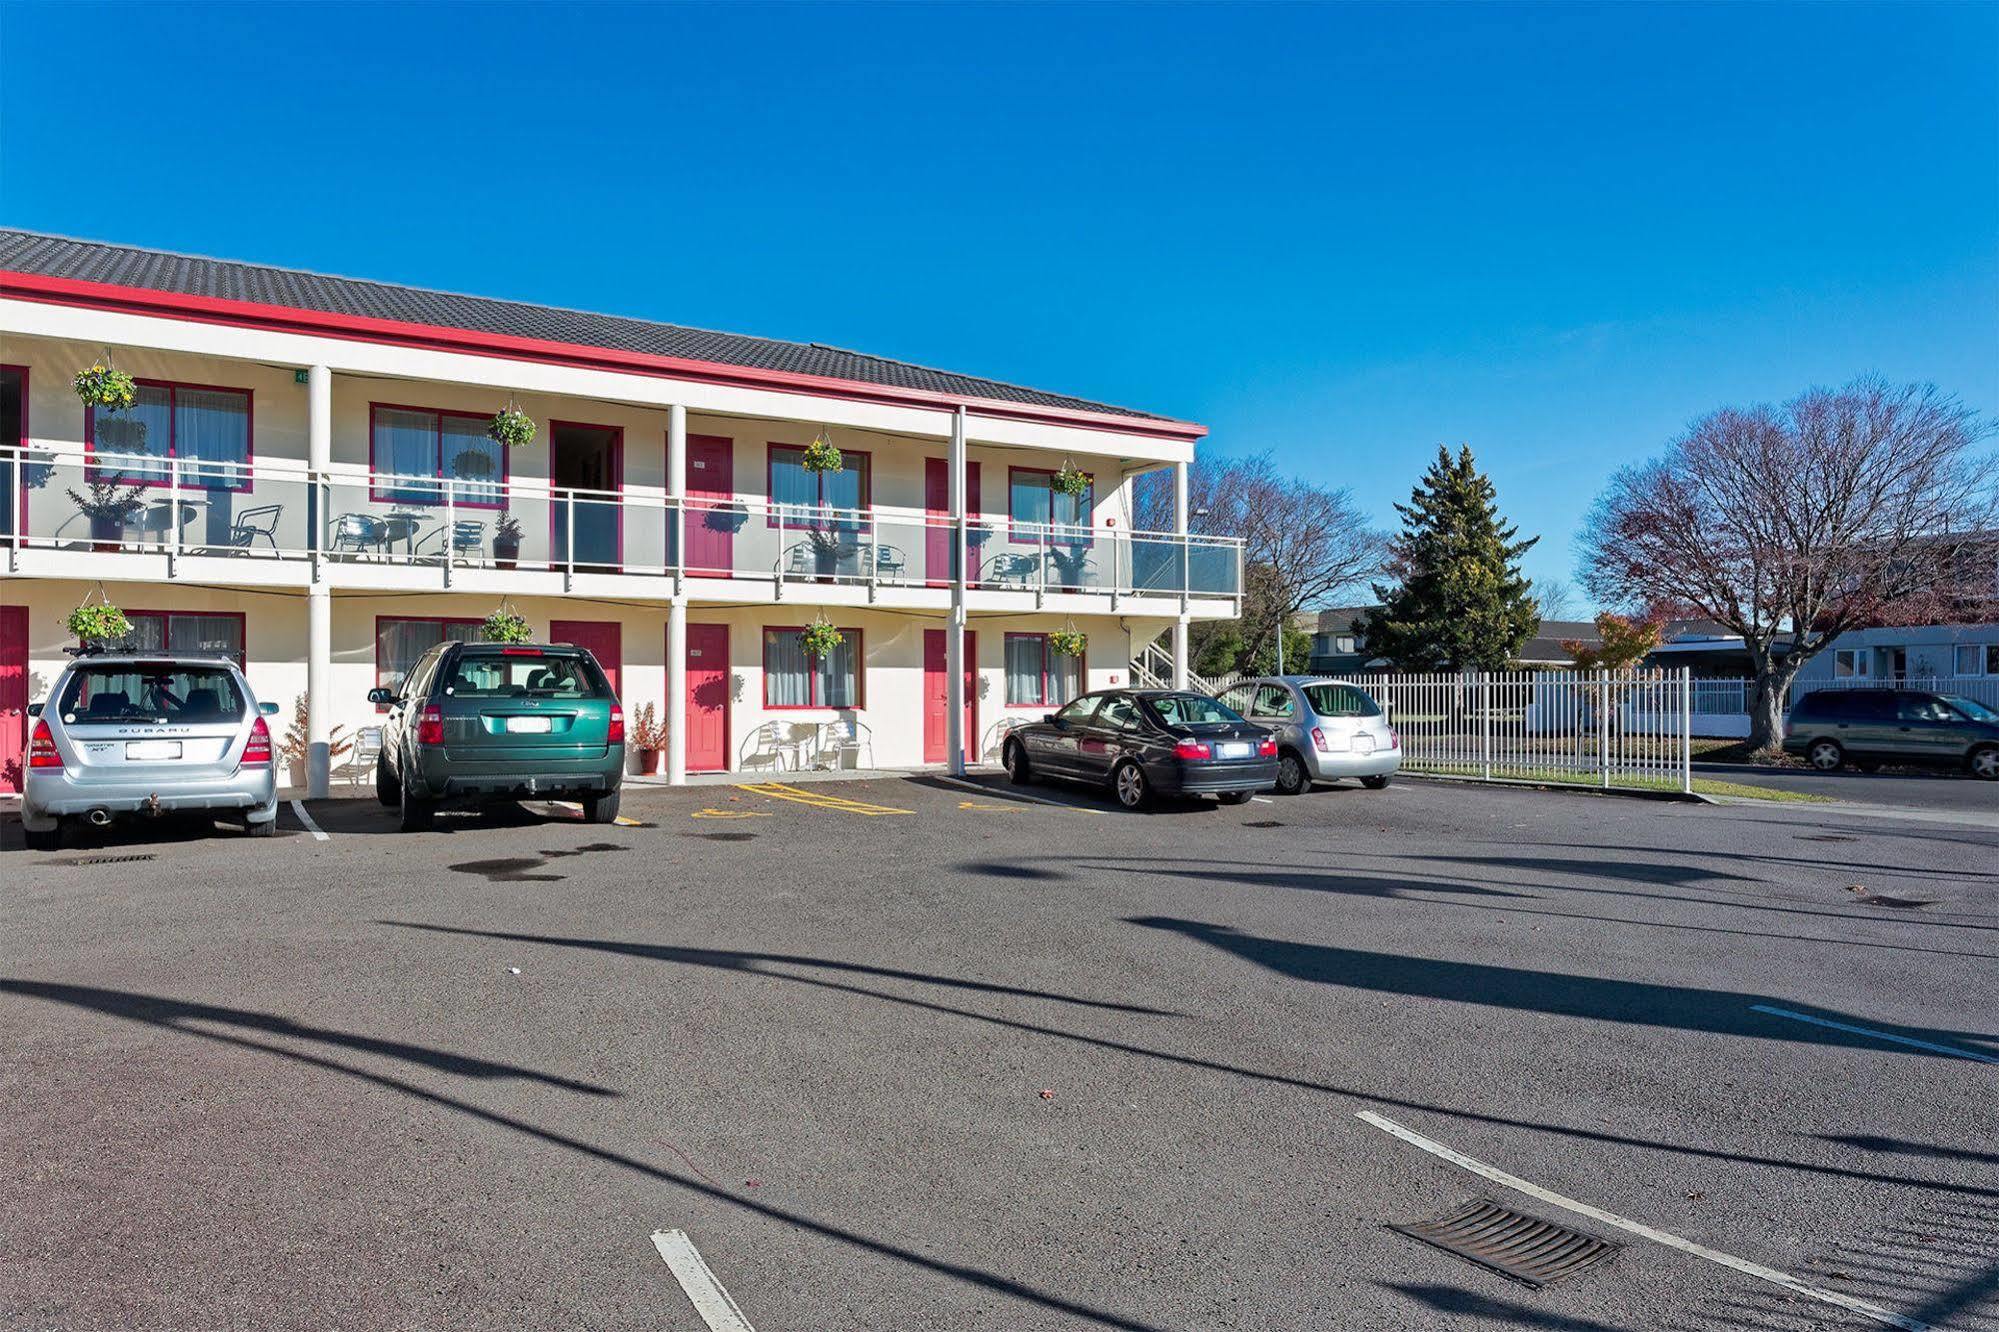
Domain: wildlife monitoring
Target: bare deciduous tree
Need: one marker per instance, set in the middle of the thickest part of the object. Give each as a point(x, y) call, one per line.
point(1792, 525)
point(1303, 543)
point(1554, 599)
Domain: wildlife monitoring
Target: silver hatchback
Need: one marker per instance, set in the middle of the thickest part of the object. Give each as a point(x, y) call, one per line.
point(148, 734)
point(1326, 729)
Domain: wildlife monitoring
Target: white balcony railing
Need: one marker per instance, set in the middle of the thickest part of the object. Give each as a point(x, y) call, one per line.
point(280, 510)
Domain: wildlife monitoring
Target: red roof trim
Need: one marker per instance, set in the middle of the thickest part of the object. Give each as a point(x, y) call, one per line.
point(285, 319)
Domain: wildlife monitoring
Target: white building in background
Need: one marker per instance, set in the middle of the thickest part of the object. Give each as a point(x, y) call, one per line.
point(307, 484)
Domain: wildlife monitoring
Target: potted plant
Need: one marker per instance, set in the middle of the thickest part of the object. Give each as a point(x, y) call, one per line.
point(506, 626)
point(98, 625)
point(1069, 481)
point(297, 744)
point(507, 541)
point(105, 386)
point(820, 638)
point(110, 505)
point(1068, 642)
point(511, 427)
point(821, 455)
point(649, 738)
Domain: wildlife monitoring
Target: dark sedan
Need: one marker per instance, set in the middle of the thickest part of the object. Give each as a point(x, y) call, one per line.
point(1142, 742)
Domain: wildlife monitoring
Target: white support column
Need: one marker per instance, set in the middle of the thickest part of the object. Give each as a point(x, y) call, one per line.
point(954, 638)
point(676, 611)
point(1180, 530)
point(318, 599)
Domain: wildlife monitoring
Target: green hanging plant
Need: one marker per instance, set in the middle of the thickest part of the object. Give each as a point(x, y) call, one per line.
point(106, 387)
point(822, 456)
point(1068, 642)
point(505, 626)
point(97, 625)
point(512, 427)
point(1069, 481)
point(820, 638)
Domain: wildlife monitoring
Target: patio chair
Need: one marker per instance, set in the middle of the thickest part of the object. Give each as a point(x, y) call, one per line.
point(840, 740)
point(1011, 568)
point(777, 744)
point(358, 532)
point(890, 562)
point(367, 751)
point(260, 523)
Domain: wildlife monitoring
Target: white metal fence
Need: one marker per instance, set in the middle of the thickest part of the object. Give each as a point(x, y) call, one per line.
point(1595, 728)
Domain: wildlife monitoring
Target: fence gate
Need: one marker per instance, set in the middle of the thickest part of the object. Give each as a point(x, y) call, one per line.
point(1589, 728)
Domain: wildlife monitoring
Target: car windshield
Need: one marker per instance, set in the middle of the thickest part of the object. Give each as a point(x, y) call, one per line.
point(1972, 708)
point(1340, 700)
point(525, 673)
point(150, 691)
point(1188, 710)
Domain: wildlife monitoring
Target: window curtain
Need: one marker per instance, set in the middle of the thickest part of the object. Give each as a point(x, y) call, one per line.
point(212, 427)
point(149, 634)
point(839, 683)
point(398, 643)
point(406, 446)
point(790, 484)
point(1023, 668)
point(1028, 502)
point(844, 489)
point(787, 672)
point(471, 455)
point(211, 635)
point(1066, 676)
point(146, 428)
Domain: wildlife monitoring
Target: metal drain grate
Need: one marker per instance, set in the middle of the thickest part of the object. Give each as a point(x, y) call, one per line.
point(1513, 1244)
point(104, 860)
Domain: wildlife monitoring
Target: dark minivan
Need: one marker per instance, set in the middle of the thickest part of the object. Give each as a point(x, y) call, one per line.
point(486, 722)
point(1870, 727)
point(1145, 741)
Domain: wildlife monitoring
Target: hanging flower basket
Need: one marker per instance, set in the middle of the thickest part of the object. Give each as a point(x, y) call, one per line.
point(1069, 481)
point(821, 456)
point(504, 626)
point(1068, 642)
point(106, 387)
point(97, 625)
point(512, 427)
point(820, 638)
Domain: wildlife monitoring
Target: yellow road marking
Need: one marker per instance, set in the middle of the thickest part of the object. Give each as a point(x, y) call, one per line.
point(779, 791)
point(997, 809)
point(624, 822)
point(712, 813)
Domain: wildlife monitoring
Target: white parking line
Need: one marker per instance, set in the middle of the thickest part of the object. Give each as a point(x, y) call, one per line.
point(691, 1271)
point(298, 808)
point(1869, 1031)
point(1743, 1265)
point(1263, 800)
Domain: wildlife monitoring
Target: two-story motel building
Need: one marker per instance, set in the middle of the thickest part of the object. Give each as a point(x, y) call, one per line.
point(307, 484)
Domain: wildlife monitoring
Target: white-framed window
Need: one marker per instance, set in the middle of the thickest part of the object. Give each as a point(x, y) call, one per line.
point(1852, 663)
point(1346, 642)
point(1977, 659)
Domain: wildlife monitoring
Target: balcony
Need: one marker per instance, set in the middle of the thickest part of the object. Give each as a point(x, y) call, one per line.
point(57, 510)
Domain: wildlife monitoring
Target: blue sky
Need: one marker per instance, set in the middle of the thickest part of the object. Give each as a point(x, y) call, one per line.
point(1344, 234)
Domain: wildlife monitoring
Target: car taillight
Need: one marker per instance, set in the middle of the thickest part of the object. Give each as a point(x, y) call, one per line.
point(258, 750)
point(1193, 749)
point(1394, 740)
point(616, 734)
point(1319, 739)
point(42, 749)
point(430, 726)
point(1267, 749)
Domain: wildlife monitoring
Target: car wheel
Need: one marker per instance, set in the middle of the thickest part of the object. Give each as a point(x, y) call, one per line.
point(387, 789)
point(1375, 783)
point(1234, 797)
point(1826, 755)
point(602, 808)
point(1985, 762)
point(43, 839)
point(1131, 787)
point(1014, 756)
point(1292, 779)
point(417, 815)
point(265, 829)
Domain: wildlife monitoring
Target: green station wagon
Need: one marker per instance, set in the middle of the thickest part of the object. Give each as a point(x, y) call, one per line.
point(487, 722)
point(1869, 727)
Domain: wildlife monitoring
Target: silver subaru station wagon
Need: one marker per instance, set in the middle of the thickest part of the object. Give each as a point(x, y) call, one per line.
point(1326, 729)
point(148, 734)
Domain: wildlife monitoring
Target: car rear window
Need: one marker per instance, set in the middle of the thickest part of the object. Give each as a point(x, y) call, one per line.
point(1341, 700)
point(151, 691)
point(1189, 710)
point(525, 674)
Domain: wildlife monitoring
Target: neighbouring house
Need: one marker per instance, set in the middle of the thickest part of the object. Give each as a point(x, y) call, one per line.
point(1340, 648)
point(307, 484)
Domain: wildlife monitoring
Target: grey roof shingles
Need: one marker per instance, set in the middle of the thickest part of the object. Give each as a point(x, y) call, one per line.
point(223, 279)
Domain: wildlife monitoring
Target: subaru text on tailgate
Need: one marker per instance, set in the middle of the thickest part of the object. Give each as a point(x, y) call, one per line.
point(487, 722)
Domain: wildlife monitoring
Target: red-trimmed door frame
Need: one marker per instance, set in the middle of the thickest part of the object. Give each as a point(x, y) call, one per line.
point(617, 486)
point(13, 696)
point(937, 504)
point(936, 665)
point(715, 542)
point(702, 639)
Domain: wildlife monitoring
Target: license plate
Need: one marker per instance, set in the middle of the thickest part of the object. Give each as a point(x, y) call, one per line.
point(152, 750)
point(1363, 744)
point(529, 725)
point(1235, 749)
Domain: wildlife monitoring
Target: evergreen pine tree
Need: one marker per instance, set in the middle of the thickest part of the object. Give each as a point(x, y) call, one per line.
point(1462, 602)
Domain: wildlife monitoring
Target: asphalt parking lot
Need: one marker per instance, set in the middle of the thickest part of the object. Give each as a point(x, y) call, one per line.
point(903, 1054)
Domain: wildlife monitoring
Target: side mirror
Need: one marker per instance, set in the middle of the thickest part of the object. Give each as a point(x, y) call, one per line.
point(34, 709)
point(268, 709)
point(1052, 719)
point(381, 697)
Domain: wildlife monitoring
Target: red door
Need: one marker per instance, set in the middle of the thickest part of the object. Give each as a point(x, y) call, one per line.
point(707, 697)
point(602, 637)
point(936, 698)
point(937, 505)
point(711, 485)
point(13, 694)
